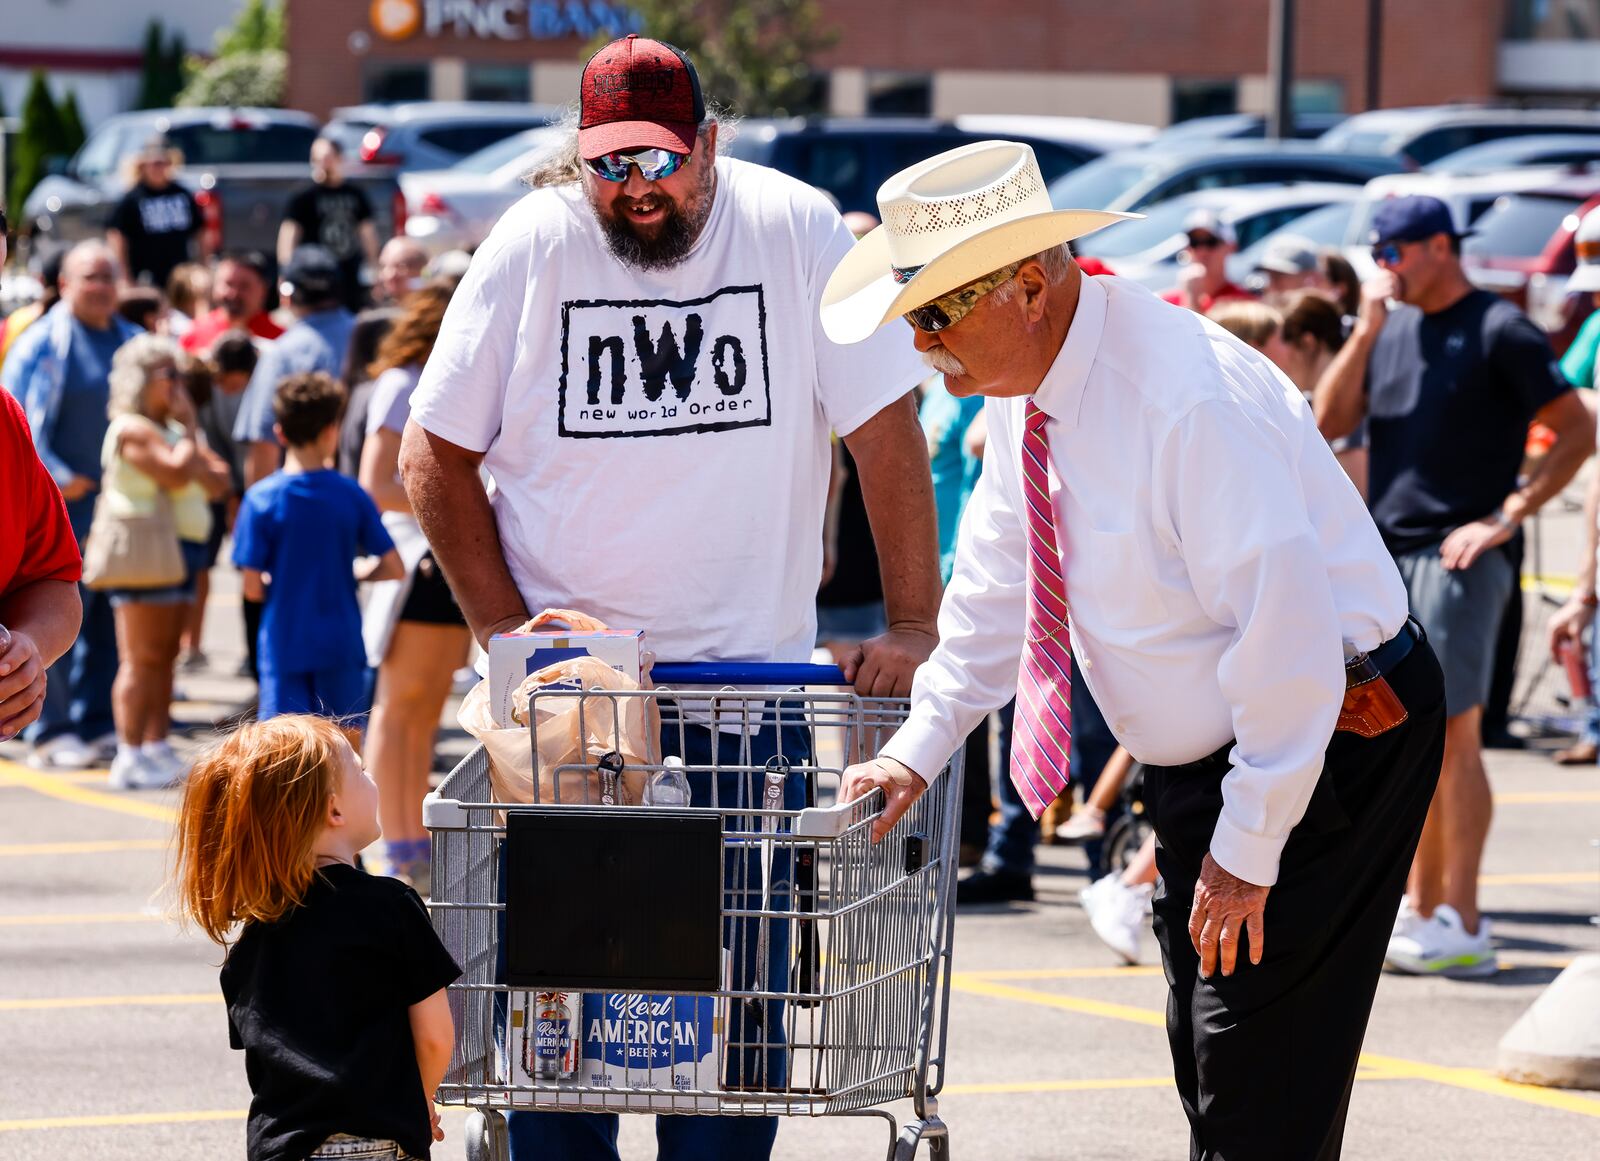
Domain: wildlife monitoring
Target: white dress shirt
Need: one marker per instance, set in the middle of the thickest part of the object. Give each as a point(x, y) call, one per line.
point(1218, 561)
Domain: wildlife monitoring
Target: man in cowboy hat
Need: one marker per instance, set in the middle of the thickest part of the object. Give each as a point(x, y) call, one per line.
point(1159, 518)
point(634, 355)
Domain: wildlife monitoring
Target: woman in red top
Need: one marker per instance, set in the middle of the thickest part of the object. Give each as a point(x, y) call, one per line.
point(39, 569)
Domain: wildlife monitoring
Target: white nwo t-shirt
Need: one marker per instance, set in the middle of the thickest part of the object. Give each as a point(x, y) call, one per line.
point(659, 440)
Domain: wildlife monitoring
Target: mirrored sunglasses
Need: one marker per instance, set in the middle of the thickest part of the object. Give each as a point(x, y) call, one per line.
point(1387, 254)
point(949, 309)
point(654, 164)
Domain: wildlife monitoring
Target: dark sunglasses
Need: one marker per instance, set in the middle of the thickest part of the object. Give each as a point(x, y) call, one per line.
point(949, 309)
point(1387, 254)
point(654, 164)
point(1203, 242)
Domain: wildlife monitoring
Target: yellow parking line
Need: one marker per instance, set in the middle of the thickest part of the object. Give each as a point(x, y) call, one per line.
point(1473, 1079)
point(82, 848)
point(54, 1003)
point(80, 919)
point(114, 1120)
point(1541, 879)
point(1546, 797)
point(1100, 973)
point(962, 982)
point(12, 774)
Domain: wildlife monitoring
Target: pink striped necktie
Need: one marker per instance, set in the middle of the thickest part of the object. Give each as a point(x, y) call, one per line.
point(1042, 738)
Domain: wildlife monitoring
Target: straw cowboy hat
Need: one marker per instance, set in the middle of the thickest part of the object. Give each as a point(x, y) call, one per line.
point(947, 221)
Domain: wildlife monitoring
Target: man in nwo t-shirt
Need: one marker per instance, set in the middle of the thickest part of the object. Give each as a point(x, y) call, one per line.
point(635, 356)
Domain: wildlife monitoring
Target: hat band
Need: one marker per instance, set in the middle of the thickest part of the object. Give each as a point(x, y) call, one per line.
point(903, 274)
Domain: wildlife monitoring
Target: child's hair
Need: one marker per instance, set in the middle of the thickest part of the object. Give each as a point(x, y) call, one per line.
point(234, 353)
point(306, 405)
point(141, 305)
point(1311, 312)
point(1247, 320)
point(195, 374)
point(187, 286)
point(252, 809)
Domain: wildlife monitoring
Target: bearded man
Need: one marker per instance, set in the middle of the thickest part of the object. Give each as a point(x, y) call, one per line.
point(635, 357)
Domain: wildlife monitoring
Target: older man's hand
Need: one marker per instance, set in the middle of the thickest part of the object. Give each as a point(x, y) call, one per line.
point(884, 666)
point(1225, 905)
point(900, 784)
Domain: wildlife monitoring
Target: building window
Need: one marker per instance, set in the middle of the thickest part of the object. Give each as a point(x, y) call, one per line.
point(899, 94)
point(499, 82)
point(1203, 98)
point(395, 81)
point(1319, 96)
point(1544, 20)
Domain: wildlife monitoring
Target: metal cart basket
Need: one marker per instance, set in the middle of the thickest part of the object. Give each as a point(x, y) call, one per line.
point(754, 954)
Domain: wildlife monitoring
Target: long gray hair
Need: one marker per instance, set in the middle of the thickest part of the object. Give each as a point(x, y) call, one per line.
point(130, 371)
point(563, 166)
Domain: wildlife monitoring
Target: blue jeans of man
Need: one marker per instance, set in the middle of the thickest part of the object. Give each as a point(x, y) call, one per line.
point(541, 1136)
point(77, 698)
point(1014, 833)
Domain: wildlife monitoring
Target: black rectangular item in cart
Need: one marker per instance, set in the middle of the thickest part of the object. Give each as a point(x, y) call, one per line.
point(613, 900)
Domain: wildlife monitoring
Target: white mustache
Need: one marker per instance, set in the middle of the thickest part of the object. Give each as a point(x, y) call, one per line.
point(942, 361)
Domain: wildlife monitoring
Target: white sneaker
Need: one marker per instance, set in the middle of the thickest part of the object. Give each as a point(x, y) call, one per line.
point(1408, 919)
point(1441, 946)
point(1084, 825)
point(103, 748)
point(1116, 913)
point(66, 752)
point(130, 769)
point(164, 757)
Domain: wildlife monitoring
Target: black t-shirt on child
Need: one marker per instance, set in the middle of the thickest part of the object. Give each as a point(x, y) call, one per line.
point(318, 1002)
point(1450, 397)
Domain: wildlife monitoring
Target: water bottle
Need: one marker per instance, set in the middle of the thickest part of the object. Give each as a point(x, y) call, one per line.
point(669, 786)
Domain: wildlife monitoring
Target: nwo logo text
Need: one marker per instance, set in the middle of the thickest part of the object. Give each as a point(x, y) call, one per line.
point(665, 368)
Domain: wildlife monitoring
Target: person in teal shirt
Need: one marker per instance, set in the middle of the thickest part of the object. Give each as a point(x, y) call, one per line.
point(1578, 364)
point(945, 419)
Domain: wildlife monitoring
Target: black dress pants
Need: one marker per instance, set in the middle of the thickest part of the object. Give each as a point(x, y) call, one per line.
point(1265, 1058)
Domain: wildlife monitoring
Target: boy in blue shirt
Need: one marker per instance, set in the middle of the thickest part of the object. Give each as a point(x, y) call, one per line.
point(298, 534)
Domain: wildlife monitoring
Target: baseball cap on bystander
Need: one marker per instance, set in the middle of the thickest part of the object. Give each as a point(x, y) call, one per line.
point(638, 94)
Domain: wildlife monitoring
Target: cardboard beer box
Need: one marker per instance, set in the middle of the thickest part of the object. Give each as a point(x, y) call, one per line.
point(637, 1048)
point(513, 656)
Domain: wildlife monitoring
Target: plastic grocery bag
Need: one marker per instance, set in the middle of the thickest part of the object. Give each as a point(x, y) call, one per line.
point(577, 736)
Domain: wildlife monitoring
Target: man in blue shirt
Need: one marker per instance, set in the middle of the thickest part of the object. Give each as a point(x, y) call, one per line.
point(299, 533)
point(316, 342)
point(58, 370)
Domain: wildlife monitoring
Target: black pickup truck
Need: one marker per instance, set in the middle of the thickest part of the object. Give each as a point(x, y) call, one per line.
point(242, 165)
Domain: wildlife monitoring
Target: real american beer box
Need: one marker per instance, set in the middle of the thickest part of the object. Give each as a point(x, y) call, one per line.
point(628, 1042)
point(513, 656)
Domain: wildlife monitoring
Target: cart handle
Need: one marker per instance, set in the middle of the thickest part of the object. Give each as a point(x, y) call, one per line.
point(736, 673)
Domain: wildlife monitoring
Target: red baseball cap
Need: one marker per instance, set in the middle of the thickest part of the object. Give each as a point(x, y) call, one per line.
point(638, 94)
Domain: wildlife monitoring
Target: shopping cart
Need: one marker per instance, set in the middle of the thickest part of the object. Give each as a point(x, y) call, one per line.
point(753, 955)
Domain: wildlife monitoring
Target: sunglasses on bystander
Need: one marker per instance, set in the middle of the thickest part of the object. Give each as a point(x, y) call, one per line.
point(653, 164)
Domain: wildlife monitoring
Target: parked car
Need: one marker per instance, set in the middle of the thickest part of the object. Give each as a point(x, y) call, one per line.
point(455, 208)
point(850, 158)
point(1523, 247)
point(241, 165)
point(413, 135)
point(1469, 196)
point(1573, 150)
point(1234, 126)
point(1148, 250)
point(1132, 179)
point(1422, 135)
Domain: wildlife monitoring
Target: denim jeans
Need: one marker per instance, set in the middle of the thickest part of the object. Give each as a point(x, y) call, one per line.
point(537, 1136)
point(344, 1147)
point(1014, 833)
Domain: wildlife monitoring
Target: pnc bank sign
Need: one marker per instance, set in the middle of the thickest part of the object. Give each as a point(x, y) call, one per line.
point(500, 19)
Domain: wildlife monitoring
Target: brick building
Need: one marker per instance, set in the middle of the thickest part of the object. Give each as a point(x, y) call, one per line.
point(1143, 60)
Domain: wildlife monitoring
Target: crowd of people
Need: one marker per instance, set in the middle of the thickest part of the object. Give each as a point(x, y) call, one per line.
point(333, 432)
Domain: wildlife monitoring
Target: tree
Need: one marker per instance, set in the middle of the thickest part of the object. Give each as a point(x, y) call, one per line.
point(40, 138)
point(161, 68)
point(249, 68)
point(754, 55)
point(259, 27)
point(243, 78)
point(72, 131)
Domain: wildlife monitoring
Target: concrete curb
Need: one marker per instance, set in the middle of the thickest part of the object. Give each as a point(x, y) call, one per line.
point(1556, 1043)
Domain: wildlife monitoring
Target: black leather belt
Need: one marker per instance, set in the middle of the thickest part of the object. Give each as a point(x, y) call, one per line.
point(1386, 656)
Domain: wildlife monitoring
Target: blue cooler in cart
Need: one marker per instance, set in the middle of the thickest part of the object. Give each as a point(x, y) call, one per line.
point(749, 956)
